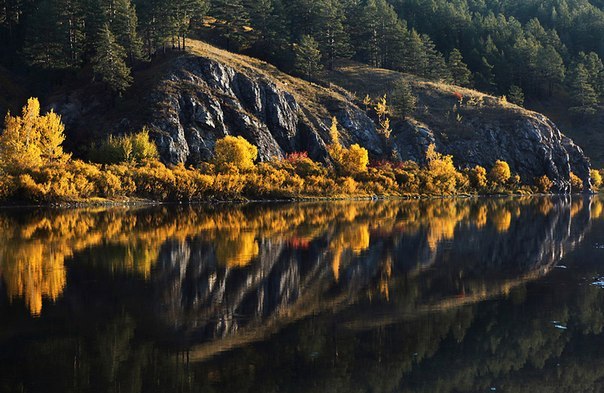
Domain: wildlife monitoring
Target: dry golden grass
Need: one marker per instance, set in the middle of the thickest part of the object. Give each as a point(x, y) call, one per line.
point(362, 79)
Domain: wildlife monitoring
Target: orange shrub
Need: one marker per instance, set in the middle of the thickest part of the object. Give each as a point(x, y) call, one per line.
point(154, 180)
point(576, 183)
point(543, 184)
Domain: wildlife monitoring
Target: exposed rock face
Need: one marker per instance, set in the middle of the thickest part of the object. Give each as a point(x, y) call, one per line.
point(204, 300)
point(203, 100)
point(531, 144)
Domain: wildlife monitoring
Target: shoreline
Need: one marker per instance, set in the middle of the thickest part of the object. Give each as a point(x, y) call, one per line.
point(139, 202)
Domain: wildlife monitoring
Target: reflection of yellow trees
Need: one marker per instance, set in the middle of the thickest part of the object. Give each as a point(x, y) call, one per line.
point(597, 209)
point(441, 220)
point(36, 246)
point(33, 272)
point(576, 207)
point(502, 219)
point(236, 249)
point(354, 237)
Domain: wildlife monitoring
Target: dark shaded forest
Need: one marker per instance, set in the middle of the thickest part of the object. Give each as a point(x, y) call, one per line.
point(522, 49)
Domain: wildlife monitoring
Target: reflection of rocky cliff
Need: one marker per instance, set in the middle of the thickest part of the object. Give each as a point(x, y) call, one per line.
point(228, 275)
point(219, 278)
point(425, 254)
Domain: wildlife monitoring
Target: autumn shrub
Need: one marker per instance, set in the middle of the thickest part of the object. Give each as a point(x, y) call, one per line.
point(228, 185)
point(109, 185)
point(31, 140)
point(543, 184)
point(348, 186)
point(354, 160)
point(73, 180)
point(132, 148)
point(408, 182)
point(596, 178)
point(154, 180)
point(321, 185)
point(7, 186)
point(441, 175)
point(234, 152)
point(500, 173)
point(303, 166)
point(126, 176)
point(190, 184)
point(478, 178)
point(576, 183)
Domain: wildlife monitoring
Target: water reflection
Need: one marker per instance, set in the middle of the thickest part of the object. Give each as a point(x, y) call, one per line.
point(123, 289)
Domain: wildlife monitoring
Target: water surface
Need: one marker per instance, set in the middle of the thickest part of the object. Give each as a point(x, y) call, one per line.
point(472, 295)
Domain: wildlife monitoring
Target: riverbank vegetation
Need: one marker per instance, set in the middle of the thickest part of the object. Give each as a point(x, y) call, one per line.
point(35, 168)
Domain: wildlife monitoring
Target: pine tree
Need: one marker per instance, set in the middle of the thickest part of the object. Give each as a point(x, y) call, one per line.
point(269, 22)
point(415, 60)
point(403, 101)
point(155, 28)
point(377, 34)
point(124, 26)
point(232, 21)
point(308, 57)
point(333, 40)
point(550, 67)
point(583, 95)
point(435, 66)
point(55, 35)
point(182, 12)
point(595, 68)
point(109, 62)
point(459, 70)
point(516, 95)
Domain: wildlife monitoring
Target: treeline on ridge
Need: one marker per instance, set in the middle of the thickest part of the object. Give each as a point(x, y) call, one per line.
point(519, 49)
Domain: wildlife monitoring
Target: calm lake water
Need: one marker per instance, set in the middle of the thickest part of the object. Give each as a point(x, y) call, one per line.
point(474, 295)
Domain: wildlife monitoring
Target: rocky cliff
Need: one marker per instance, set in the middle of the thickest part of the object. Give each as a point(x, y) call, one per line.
point(197, 98)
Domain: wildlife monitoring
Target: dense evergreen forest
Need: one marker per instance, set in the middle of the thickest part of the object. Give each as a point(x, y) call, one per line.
point(528, 48)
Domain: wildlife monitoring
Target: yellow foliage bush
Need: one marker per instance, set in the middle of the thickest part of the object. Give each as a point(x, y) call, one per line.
point(190, 184)
point(596, 178)
point(576, 183)
point(133, 148)
point(351, 161)
point(441, 177)
point(155, 180)
point(348, 186)
point(7, 186)
point(500, 173)
point(234, 152)
point(125, 174)
point(354, 160)
point(228, 186)
point(30, 140)
point(478, 178)
point(543, 184)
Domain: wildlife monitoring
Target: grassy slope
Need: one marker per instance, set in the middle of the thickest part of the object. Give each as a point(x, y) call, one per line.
point(437, 106)
point(362, 79)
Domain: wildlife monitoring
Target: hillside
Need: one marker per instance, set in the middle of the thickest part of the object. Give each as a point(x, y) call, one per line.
point(190, 100)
